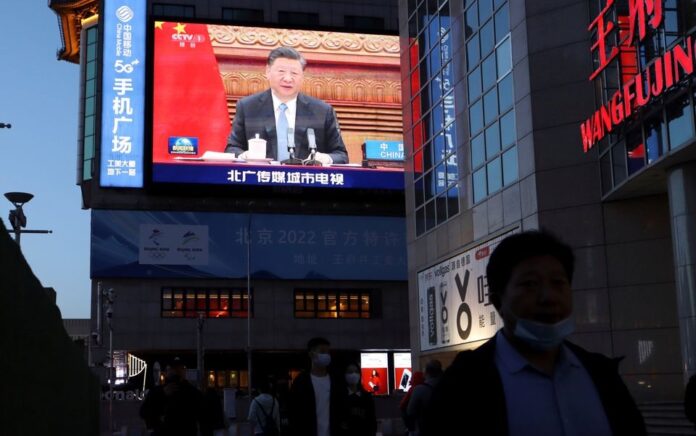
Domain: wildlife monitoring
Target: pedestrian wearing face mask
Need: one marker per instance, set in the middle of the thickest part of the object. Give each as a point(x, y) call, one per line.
point(420, 398)
point(357, 406)
point(528, 379)
point(314, 396)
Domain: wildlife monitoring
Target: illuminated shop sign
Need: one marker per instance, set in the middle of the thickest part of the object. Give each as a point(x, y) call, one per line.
point(402, 371)
point(638, 87)
point(123, 89)
point(374, 373)
point(453, 300)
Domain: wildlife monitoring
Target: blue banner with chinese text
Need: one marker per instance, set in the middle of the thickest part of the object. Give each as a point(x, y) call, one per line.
point(214, 245)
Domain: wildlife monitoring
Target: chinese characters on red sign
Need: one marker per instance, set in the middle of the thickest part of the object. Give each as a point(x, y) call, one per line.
point(640, 13)
point(617, 35)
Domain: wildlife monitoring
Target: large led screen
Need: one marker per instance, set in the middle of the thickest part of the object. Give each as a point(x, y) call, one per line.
point(217, 117)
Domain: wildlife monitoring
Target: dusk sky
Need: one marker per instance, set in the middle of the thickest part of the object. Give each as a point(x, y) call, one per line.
point(39, 96)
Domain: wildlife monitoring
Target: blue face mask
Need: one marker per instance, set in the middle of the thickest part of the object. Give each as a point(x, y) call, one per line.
point(322, 360)
point(541, 336)
point(352, 378)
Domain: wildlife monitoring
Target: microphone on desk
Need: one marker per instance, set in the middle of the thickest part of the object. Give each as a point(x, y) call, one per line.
point(312, 143)
point(291, 160)
point(291, 142)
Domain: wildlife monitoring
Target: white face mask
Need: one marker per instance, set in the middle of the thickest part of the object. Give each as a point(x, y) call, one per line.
point(352, 378)
point(541, 336)
point(322, 360)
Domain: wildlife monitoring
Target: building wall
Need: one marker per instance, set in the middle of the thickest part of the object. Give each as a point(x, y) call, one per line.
point(137, 321)
point(139, 325)
point(331, 13)
point(624, 291)
point(642, 296)
point(625, 302)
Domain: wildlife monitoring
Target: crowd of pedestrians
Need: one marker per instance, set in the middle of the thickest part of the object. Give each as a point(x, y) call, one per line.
point(528, 379)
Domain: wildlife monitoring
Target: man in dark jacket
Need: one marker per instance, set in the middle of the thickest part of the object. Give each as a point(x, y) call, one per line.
point(690, 400)
point(173, 409)
point(315, 394)
point(527, 380)
point(420, 397)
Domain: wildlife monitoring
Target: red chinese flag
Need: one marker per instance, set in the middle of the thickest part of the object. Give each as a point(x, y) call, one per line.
point(189, 97)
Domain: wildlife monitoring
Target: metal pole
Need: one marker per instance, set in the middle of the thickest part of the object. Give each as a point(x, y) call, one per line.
point(199, 352)
point(99, 314)
point(249, 299)
point(18, 233)
point(111, 377)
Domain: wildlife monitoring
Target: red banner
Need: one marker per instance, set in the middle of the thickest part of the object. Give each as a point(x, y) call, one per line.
point(189, 97)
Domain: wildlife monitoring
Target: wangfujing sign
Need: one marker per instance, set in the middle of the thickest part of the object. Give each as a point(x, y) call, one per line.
point(638, 86)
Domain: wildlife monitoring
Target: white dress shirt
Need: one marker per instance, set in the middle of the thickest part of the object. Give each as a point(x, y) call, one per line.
point(289, 112)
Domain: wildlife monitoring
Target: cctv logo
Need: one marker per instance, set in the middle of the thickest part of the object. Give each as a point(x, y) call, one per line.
point(464, 311)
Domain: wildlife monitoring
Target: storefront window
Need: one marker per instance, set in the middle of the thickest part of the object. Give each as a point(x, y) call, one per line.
point(172, 10)
point(485, 9)
point(478, 151)
point(433, 107)
point(618, 162)
point(332, 304)
point(493, 154)
point(605, 167)
point(505, 93)
point(476, 117)
point(471, 21)
point(502, 23)
point(495, 176)
point(654, 138)
point(480, 188)
point(490, 106)
point(489, 72)
point(510, 166)
point(487, 37)
point(492, 141)
point(635, 151)
point(90, 37)
point(680, 122)
point(211, 303)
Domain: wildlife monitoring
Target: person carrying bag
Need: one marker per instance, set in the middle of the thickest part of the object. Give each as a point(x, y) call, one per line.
point(265, 423)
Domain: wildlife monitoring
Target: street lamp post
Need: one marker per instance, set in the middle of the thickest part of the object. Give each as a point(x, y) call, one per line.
point(199, 351)
point(249, 300)
point(109, 296)
point(17, 218)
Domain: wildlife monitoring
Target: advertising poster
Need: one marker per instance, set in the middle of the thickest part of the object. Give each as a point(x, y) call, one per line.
point(123, 93)
point(374, 373)
point(402, 371)
point(215, 245)
point(454, 303)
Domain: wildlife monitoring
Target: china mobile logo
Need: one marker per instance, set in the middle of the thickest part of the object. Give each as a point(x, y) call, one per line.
point(617, 34)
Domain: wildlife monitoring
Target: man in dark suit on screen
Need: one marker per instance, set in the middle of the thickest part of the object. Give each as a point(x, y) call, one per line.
point(269, 114)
